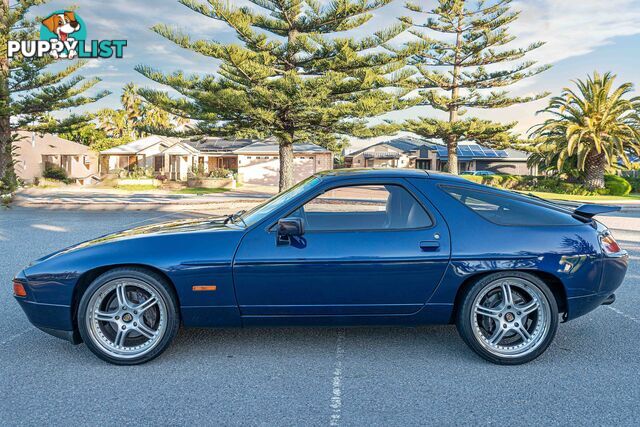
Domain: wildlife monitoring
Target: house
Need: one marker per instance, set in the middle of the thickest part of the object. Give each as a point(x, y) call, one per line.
point(256, 162)
point(218, 152)
point(412, 152)
point(395, 153)
point(163, 155)
point(34, 152)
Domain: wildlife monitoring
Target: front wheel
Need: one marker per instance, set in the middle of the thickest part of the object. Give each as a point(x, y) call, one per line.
point(128, 316)
point(508, 318)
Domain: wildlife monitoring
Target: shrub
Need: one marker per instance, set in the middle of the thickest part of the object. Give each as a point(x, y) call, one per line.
point(531, 183)
point(55, 172)
point(197, 171)
point(140, 172)
point(635, 183)
point(617, 185)
point(219, 173)
point(474, 178)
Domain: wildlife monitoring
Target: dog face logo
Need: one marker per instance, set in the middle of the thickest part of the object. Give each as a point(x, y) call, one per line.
point(63, 28)
point(62, 24)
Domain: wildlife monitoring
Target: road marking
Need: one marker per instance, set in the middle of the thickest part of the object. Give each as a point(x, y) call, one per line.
point(623, 314)
point(48, 227)
point(336, 395)
point(13, 337)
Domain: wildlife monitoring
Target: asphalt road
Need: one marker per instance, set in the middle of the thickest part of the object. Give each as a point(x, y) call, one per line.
point(303, 376)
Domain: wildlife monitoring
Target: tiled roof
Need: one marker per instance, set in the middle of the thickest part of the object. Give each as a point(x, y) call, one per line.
point(219, 145)
point(271, 147)
point(139, 145)
point(406, 145)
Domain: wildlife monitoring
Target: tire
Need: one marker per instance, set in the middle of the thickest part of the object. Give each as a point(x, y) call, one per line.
point(128, 316)
point(508, 318)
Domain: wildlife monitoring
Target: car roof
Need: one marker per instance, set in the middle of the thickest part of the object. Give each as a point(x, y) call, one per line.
point(390, 173)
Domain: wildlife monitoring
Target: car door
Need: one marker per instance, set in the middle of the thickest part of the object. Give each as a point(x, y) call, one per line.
point(369, 248)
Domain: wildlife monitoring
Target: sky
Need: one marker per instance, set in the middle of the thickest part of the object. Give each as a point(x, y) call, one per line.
point(581, 36)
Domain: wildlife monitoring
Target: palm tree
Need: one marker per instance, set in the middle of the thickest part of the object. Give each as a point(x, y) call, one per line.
point(597, 126)
point(132, 104)
point(113, 123)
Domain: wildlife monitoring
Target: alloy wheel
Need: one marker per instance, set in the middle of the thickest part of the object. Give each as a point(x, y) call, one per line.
point(510, 317)
point(126, 318)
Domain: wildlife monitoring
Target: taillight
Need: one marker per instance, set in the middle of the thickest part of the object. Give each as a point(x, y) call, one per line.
point(609, 244)
point(18, 289)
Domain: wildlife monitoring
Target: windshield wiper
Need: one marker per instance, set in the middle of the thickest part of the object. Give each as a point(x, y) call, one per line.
point(238, 215)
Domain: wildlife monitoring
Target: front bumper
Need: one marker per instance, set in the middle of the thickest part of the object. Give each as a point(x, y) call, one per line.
point(53, 319)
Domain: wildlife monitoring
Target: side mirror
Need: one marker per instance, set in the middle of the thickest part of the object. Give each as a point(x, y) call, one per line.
point(288, 227)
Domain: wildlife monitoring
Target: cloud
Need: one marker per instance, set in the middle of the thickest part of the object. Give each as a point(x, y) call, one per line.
point(573, 27)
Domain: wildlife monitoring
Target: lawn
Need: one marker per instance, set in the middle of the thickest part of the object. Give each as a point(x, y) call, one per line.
point(136, 187)
point(557, 196)
point(198, 190)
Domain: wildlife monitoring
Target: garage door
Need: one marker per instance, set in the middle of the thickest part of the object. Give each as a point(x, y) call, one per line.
point(265, 171)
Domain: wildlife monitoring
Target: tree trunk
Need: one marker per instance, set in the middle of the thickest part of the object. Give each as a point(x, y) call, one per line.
point(286, 165)
point(7, 174)
point(452, 154)
point(286, 143)
point(594, 167)
point(452, 140)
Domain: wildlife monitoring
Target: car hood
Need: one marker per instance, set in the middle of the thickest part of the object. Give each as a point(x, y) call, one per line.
point(169, 227)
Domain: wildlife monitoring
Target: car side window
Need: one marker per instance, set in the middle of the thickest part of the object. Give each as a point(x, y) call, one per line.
point(364, 207)
point(504, 210)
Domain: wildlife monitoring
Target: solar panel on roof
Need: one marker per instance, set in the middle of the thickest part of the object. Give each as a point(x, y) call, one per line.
point(464, 151)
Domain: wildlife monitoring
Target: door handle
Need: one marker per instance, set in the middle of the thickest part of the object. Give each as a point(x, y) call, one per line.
point(429, 245)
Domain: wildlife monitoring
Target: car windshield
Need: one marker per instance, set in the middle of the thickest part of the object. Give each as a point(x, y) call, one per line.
point(264, 209)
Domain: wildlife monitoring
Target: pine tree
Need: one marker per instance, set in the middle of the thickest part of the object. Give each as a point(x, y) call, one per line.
point(28, 91)
point(293, 75)
point(458, 41)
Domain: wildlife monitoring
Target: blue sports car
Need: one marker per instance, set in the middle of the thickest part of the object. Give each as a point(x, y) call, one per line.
point(344, 247)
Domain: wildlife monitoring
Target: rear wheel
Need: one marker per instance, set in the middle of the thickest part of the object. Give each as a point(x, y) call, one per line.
point(508, 318)
point(128, 316)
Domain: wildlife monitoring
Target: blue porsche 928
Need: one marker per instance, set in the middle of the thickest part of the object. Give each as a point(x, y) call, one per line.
point(345, 247)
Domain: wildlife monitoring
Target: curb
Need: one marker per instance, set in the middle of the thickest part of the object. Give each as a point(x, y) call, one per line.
point(169, 205)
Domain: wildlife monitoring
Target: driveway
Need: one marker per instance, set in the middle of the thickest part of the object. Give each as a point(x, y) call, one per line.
point(304, 376)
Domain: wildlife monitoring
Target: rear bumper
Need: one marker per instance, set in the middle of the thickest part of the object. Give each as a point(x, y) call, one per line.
point(53, 319)
point(580, 306)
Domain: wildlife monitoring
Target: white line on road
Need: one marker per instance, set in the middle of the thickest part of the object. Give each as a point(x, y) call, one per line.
point(623, 314)
point(13, 337)
point(336, 395)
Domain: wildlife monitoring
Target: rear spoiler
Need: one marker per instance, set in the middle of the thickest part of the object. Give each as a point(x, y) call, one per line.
point(589, 211)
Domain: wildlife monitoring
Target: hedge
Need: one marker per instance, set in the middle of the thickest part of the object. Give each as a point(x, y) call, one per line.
point(635, 183)
point(614, 185)
point(617, 185)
